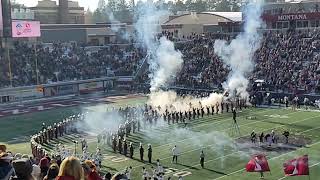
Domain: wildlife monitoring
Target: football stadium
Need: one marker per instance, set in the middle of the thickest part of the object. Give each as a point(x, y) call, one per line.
point(161, 90)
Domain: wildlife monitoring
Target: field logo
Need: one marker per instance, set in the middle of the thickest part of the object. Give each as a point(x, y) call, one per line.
point(177, 174)
point(277, 116)
point(115, 159)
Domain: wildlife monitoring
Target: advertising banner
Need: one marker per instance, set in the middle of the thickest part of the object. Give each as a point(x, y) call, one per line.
point(26, 29)
point(67, 89)
point(24, 94)
point(91, 86)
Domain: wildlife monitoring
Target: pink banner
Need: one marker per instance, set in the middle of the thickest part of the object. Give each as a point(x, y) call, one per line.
point(26, 29)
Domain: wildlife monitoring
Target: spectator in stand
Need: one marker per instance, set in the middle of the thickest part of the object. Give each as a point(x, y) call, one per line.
point(3, 148)
point(287, 61)
point(93, 173)
point(36, 171)
point(70, 169)
point(52, 172)
point(6, 169)
point(44, 165)
point(23, 169)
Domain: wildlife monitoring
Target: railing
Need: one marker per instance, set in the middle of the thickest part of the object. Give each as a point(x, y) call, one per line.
point(15, 94)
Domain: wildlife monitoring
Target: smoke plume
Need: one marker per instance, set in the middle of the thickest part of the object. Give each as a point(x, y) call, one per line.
point(238, 54)
point(97, 121)
point(164, 61)
point(173, 102)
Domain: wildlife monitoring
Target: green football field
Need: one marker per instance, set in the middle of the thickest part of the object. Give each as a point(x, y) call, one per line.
point(214, 134)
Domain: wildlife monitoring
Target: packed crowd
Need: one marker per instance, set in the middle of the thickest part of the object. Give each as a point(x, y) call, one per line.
point(23, 167)
point(65, 62)
point(286, 61)
point(289, 61)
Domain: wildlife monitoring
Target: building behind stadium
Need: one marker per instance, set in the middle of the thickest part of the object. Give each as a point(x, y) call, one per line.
point(66, 21)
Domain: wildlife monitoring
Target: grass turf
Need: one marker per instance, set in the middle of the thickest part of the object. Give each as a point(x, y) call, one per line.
point(223, 160)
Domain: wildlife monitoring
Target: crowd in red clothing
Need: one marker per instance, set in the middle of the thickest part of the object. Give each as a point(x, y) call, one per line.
point(287, 61)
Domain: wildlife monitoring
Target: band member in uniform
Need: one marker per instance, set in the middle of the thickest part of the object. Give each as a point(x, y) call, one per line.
point(222, 106)
point(234, 116)
point(212, 109)
point(253, 137)
point(177, 117)
point(261, 137)
point(128, 173)
point(185, 116)
point(202, 112)
point(120, 145)
point(99, 138)
point(173, 117)
point(145, 174)
point(194, 113)
point(227, 107)
point(286, 101)
point(217, 106)
point(125, 147)
point(141, 152)
point(149, 153)
point(286, 135)
point(114, 144)
point(306, 103)
point(202, 159)
point(131, 149)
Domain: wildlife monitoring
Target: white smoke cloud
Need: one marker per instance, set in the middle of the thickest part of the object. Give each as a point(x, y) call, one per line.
point(169, 63)
point(95, 122)
point(238, 55)
point(174, 102)
point(164, 60)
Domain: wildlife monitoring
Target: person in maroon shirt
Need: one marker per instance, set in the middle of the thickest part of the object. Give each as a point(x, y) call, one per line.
point(44, 165)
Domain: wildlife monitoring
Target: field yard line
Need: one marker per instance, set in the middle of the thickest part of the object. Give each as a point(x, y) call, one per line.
point(207, 161)
point(269, 159)
point(233, 139)
point(228, 119)
point(200, 125)
point(309, 168)
point(310, 129)
point(226, 129)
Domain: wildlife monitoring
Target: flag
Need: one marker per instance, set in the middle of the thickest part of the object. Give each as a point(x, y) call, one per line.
point(258, 163)
point(297, 167)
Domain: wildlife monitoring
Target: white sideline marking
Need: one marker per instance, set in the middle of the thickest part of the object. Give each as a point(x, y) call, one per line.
point(61, 105)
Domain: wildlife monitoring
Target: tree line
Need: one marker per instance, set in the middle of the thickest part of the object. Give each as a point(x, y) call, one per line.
point(123, 10)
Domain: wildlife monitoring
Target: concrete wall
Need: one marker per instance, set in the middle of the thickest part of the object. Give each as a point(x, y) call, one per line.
point(64, 35)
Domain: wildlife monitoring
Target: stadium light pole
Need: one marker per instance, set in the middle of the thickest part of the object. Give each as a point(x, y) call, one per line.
point(9, 60)
point(36, 58)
